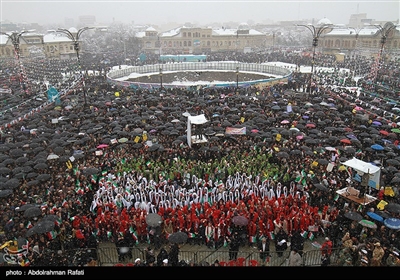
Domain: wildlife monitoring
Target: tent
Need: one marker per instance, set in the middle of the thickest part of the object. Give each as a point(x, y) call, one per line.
point(196, 120)
point(362, 168)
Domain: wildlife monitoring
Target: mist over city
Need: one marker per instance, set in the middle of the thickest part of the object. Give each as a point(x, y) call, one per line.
point(165, 13)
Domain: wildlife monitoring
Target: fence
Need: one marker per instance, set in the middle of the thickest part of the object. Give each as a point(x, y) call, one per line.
point(113, 256)
point(280, 73)
point(108, 256)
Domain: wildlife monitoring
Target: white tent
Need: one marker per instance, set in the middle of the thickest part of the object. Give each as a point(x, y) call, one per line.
point(199, 119)
point(363, 167)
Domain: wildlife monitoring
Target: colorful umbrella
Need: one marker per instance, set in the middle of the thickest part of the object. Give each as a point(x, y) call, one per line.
point(375, 216)
point(101, 146)
point(392, 223)
point(368, 224)
point(377, 147)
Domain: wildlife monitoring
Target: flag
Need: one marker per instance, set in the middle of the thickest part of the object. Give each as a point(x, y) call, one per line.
point(304, 234)
point(311, 236)
point(51, 235)
point(29, 225)
point(271, 235)
point(252, 239)
point(58, 221)
point(64, 203)
point(191, 235)
point(336, 197)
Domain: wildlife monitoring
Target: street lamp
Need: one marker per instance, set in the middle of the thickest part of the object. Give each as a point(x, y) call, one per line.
point(14, 37)
point(237, 78)
point(316, 32)
point(357, 32)
point(385, 32)
point(75, 40)
point(160, 78)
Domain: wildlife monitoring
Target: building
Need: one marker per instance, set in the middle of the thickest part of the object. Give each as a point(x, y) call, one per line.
point(365, 41)
point(199, 40)
point(51, 45)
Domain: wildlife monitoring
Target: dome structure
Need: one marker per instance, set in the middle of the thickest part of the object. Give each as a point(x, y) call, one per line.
point(324, 21)
point(243, 26)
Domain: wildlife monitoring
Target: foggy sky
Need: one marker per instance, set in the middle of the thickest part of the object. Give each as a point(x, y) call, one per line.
point(198, 12)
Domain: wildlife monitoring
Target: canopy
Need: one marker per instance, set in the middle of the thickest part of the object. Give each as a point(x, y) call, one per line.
point(362, 168)
point(199, 119)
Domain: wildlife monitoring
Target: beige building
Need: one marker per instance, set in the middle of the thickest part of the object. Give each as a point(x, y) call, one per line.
point(197, 40)
point(366, 40)
point(50, 45)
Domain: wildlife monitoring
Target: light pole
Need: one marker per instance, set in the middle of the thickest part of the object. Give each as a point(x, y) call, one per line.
point(237, 78)
point(75, 41)
point(385, 32)
point(14, 37)
point(357, 32)
point(160, 78)
point(316, 32)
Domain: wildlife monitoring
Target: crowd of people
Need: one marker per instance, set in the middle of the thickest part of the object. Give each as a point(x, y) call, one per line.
point(125, 155)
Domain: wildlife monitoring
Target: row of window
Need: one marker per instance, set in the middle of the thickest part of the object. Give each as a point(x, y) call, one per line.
point(339, 43)
point(195, 35)
point(170, 44)
point(49, 49)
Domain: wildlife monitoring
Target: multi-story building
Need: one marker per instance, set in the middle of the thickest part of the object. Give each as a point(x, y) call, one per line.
point(367, 40)
point(198, 40)
point(51, 45)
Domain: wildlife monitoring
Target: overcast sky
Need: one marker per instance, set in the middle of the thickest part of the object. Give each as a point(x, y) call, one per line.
point(200, 12)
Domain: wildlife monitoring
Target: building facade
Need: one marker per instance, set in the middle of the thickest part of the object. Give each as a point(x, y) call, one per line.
point(197, 40)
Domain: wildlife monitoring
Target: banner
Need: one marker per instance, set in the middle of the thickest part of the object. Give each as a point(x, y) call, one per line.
point(235, 130)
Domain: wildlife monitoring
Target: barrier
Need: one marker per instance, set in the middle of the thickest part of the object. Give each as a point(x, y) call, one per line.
point(282, 74)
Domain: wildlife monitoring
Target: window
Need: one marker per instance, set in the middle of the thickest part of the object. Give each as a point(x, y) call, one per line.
point(189, 34)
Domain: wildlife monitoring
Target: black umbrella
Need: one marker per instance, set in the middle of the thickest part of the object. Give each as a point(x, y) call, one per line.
point(240, 220)
point(43, 177)
point(153, 219)
point(321, 187)
point(153, 147)
point(91, 171)
point(44, 226)
point(383, 214)
point(11, 184)
point(178, 237)
point(41, 166)
point(5, 170)
point(353, 216)
point(50, 217)
point(32, 212)
point(5, 193)
point(392, 207)
point(25, 206)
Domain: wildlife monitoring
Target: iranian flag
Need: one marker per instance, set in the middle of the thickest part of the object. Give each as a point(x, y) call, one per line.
point(304, 234)
point(51, 235)
point(64, 203)
point(29, 225)
point(311, 236)
point(271, 235)
point(252, 239)
point(191, 235)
